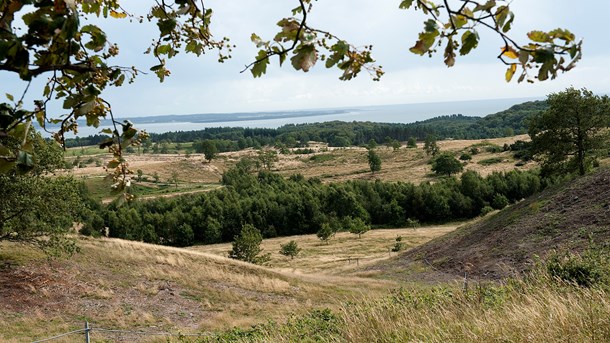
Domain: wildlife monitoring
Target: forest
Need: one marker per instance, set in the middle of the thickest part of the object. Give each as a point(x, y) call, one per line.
point(341, 134)
point(283, 207)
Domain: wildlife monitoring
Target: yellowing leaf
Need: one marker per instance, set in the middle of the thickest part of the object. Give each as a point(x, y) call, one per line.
point(509, 52)
point(118, 15)
point(510, 72)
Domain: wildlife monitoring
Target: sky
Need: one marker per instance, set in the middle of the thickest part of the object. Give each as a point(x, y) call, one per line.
point(202, 85)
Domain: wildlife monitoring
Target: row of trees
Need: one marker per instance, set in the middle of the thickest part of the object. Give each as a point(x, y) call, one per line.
point(506, 123)
point(284, 207)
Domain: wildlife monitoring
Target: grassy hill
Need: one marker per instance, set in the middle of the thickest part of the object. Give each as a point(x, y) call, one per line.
point(135, 286)
point(568, 216)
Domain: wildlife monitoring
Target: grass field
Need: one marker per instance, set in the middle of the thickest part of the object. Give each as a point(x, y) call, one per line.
point(344, 254)
point(193, 173)
point(130, 285)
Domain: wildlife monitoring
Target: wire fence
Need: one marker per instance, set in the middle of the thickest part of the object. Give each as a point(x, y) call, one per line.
point(88, 330)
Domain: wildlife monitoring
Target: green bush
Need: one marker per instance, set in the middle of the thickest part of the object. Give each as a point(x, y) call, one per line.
point(490, 161)
point(499, 201)
point(486, 210)
point(588, 269)
point(466, 157)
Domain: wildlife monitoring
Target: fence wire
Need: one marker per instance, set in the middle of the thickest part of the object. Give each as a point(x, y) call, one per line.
point(90, 329)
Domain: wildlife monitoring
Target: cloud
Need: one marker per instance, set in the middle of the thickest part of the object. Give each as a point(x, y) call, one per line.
point(200, 85)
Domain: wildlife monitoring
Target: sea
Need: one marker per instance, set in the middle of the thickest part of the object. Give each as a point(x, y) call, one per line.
point(400, 113)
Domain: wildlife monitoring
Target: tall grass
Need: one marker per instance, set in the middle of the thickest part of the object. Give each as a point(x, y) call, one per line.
point(539, 309)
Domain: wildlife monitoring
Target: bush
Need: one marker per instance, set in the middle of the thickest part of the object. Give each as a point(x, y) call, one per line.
point(586, 270)
point(466, 157)
point(499, 201)
point(399, 245)
point(486, 210)
point(290, 249)
point(490, 161)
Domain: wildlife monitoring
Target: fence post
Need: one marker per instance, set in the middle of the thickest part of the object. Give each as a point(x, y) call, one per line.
point(87, 329)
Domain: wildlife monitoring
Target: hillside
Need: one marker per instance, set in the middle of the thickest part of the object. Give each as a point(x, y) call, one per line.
point(566, 216)
point(135, 286)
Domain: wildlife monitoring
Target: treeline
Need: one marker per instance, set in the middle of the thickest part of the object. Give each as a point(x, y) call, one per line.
point(339, 134)
point(283, 207)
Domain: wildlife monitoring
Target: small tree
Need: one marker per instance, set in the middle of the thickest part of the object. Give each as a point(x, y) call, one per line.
point(399, 245)
point(430, 146)
point(446, 164)
point(395, 145)
point(374, 161)
point(356, 226)
point(156, 177)
point(412, 143)
point(140, 174)
point(246, 246)
point(174, 178)
point(325, 233)
point(372, 144)
point(290, 249)
point(208, 148)
point(267, 158)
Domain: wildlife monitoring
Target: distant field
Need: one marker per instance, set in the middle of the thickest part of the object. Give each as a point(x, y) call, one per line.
point(194, 173)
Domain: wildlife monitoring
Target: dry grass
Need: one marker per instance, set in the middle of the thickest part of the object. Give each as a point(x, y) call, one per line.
point(543, 311)
point(345, 254)
point(343, 164)
point(131, 285)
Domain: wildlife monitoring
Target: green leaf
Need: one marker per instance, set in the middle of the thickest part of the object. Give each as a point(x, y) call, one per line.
point(10, 97)
point(166, 26)
point(163, 49)
point(539, 36)
point(485, 7)
point(25, 159)
point(260, 68)
point(425, 42)
point(469, 42)
point(405, 4)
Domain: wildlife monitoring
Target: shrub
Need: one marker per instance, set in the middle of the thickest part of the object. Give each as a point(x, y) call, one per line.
point(586, 270)
point(290, 249)
point(499, 201)
point(399, 245)
point(490, 161)
point(486, 210)
point(466, 157)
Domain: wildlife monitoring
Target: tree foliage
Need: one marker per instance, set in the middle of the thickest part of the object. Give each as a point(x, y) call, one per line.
point(430, 146)
point(75, 56)
point(207, 147)
point(374, 161)
point(246, 246)
point(356, 226)
point(570, 133)
point(27, 191)
point(446, 164)
point(290, 249)
point(279, 206)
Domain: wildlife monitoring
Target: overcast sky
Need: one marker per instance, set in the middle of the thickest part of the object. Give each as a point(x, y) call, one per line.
point(201, 85)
